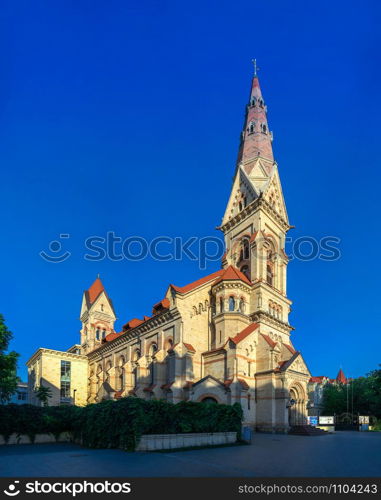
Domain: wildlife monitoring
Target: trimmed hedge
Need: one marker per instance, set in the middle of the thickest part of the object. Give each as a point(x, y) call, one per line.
point(119, 424)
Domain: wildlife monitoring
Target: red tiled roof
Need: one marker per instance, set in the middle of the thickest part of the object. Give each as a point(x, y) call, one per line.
point(290, 348)
point(163, 304)
point(269, 340)
point(232, 273)
point(133, 323)
point(196, 284)
point(95, 290)
point(244, 333)
point(318, 380)
point(190, 347)
point(111, 336)
point(243, 383)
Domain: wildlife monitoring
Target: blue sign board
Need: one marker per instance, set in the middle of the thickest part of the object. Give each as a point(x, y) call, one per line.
point(313, 421)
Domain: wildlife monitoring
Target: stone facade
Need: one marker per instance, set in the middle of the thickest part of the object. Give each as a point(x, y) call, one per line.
point(65, 373)
point(226, 337)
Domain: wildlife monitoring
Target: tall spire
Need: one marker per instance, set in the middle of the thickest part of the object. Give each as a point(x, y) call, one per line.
point(256, 137)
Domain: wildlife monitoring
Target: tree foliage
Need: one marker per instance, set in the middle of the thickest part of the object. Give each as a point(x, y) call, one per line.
point(43, 394)
point(364, 392)
point(8, 364)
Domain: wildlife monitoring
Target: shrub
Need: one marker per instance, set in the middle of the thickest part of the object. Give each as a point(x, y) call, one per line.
point(119, 424)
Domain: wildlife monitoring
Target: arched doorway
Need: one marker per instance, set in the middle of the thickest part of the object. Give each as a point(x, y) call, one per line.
point(296, 406)
point(209, 400)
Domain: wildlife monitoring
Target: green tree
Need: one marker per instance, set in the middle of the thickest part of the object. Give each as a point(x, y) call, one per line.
point(43, 394)
point(362, 394)
point(8, 364)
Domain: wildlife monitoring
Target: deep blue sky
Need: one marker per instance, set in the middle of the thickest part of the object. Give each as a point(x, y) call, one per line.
point(125, 116)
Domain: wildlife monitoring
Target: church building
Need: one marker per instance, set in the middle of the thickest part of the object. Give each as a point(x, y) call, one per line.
point(224, 338)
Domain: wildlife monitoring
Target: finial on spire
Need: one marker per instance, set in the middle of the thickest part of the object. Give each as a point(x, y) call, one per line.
point(98, 275)
point(256, 68)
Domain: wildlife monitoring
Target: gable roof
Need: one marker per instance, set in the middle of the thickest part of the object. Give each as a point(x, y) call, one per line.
point(197, 283)
point(232, 273)
point(270, 341)
point(244, 333)
point(160, 306)
point(283, 365)
point(290, 348)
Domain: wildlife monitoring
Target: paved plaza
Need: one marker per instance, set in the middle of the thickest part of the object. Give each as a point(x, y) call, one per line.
point(348, 454)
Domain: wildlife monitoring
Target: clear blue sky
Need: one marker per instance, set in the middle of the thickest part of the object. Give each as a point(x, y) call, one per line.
point(125, 116)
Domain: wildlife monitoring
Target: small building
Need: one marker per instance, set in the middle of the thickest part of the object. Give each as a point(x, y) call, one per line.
point(20, 397)
point(65, 373)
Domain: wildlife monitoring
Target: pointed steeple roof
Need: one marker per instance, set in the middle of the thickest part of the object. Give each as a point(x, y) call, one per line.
point(341, 377)
point(95, 290)
point(256, 137)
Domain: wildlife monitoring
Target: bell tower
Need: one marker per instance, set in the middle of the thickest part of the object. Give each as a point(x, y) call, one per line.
point(255, 222)
point(97, 316)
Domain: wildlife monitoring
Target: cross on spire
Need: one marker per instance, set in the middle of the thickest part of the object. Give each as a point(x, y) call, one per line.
point(256, 68)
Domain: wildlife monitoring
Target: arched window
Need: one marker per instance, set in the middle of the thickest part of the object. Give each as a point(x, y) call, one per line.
point(269, 275)
point(231, 304)
point(103, 334)
point(98, 334)
point(246, 249)
point(251, 127)
point(152, 350)
point(221, 304)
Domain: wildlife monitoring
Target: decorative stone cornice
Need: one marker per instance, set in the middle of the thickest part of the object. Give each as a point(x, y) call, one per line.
point(231, 285)
point(260, 202)
point(266, 318)
point(135, 333)
point(61, 354)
